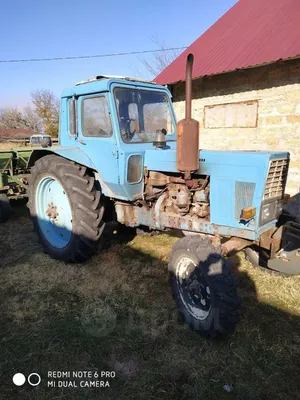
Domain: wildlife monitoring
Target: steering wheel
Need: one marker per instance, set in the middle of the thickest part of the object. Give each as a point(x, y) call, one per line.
point(126, 129)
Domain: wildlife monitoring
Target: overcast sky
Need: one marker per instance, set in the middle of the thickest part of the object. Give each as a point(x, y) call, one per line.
point(58, 28)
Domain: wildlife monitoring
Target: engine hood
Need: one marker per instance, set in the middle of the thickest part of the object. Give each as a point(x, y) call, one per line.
point(237, 180)
point(209, 160)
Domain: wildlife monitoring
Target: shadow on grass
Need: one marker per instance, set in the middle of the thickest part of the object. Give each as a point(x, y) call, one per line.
point(293, 206)
point(116, 313)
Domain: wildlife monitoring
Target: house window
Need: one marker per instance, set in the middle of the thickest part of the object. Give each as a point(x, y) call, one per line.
point(95, 117)
point(232, 115)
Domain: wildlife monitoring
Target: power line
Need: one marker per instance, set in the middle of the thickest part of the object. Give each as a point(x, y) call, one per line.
point(91, 56)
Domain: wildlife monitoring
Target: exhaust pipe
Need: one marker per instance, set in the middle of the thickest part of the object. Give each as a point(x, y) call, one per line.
point(188, 130)
point(188, 86)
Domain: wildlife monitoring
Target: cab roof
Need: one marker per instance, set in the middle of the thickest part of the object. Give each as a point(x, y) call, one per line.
point(126, 78)
point(102, 83)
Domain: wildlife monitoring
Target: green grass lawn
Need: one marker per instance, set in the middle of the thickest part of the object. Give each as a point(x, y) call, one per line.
point(116, 313)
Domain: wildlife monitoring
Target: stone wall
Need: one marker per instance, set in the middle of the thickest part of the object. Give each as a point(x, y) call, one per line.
point(276, 88)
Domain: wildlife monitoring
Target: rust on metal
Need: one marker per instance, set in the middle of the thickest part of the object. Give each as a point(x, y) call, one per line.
point(266, 239)
point(156, 178)
point(188, 130)
point(188, 86)
point(158, 218)
point(191, 183)
point(216, 240)
point(234, 245)
point(52, 212)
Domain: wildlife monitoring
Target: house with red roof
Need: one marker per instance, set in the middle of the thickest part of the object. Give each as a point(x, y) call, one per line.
point(246, 80)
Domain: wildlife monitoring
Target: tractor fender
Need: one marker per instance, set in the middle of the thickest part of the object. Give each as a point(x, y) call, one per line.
point(73, 154)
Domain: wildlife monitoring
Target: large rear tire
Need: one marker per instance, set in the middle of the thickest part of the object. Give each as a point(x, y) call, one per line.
point(203, 286)
point(5, 209)
point(65, 208)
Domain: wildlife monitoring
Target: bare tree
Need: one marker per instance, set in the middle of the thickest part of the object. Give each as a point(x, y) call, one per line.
point(13, 118)
point(43, 115)
point(10, 118)
point(33, 121)
point(46, 106)
point(161, 59)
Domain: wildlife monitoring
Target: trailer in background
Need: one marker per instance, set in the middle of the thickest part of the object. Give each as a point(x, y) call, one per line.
point(14, 174)
point(14, 170)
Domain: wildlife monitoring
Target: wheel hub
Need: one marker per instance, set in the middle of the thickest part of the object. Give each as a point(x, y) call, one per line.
point(54, 212)
point(194, 291)
point(198, 292)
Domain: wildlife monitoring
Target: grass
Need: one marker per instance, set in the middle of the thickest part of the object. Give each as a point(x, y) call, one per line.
point(115, 313)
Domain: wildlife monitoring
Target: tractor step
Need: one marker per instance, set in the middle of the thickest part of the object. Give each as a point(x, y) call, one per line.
point(287, 260)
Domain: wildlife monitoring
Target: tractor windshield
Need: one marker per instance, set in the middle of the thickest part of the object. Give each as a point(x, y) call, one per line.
point(143, 113)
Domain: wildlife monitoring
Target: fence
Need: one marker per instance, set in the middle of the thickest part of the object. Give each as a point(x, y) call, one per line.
point(21, 142)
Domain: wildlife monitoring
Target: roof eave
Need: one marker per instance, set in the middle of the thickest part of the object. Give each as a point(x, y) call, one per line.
point(238, 69)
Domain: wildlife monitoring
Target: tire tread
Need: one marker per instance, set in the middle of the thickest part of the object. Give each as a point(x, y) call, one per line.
point(83, 196)
point(222, 285)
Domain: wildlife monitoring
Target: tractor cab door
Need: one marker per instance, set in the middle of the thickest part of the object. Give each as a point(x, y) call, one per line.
point(97, 139)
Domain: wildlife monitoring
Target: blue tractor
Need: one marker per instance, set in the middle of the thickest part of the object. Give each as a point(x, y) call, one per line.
point(122, 157)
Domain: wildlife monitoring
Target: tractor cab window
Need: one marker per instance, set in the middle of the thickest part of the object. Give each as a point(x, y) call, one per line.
point(95, 117)
point(143, 113)
point(72, 120)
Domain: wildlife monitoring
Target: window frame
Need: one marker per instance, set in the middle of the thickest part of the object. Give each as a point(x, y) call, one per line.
point(98, 95)
point(171, 138)
point(76, 116)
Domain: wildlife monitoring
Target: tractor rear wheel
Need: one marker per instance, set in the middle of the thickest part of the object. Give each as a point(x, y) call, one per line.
point(203, 286)
point(65, 208)
point(5, 209)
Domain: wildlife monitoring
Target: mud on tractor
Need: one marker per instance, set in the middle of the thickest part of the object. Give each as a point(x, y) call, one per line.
point(122, 156)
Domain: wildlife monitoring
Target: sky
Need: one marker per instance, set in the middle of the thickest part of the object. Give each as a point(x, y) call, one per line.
point(60, 28)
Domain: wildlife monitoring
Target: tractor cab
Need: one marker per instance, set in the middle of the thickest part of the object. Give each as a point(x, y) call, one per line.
point(114, 121)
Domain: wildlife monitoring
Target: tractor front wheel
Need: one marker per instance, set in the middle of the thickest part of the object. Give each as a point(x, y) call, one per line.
point(65, 208)
point(203, 286)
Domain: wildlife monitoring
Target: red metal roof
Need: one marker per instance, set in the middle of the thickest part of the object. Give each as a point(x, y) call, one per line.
point(252, 32)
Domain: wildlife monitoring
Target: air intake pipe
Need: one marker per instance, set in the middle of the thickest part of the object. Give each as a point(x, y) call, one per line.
point(188, 130)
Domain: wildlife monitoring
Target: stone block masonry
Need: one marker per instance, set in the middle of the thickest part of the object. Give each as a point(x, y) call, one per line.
point(276, 88)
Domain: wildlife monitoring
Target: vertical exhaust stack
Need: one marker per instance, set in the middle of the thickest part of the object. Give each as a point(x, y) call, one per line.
point(188, 130)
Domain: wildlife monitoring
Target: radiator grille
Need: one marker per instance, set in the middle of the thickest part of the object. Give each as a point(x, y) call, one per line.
point(244, 193)
point(276, 179)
